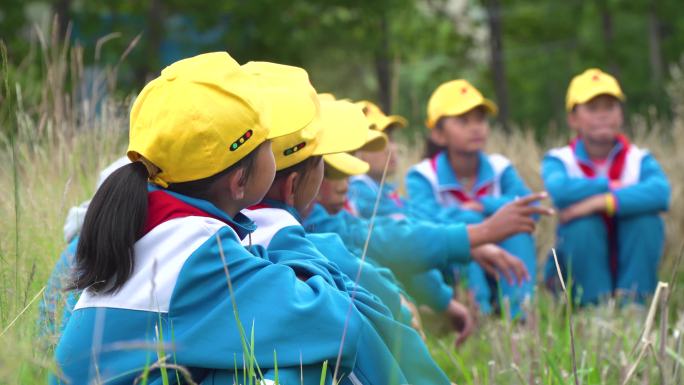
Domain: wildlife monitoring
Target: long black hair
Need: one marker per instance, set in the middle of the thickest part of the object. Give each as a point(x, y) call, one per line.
point(115, 221)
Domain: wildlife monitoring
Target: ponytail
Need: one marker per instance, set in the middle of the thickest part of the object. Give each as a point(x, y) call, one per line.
point(113, 223)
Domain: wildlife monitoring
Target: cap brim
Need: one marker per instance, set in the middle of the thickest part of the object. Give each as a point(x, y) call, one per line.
point(376, 141)
point(344, 128)
point(287, 110)
point(346, 164)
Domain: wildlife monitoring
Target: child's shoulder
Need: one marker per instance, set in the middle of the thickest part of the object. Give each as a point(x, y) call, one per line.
point(498, 162)
point(423, 169)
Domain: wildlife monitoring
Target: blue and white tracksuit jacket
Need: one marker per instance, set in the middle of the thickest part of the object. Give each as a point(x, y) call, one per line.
point(435, 193)
point(403, 358)
point(608, 254)
point(177, 308)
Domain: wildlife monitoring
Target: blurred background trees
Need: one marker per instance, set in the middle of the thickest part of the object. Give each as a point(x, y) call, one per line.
point(521, 53)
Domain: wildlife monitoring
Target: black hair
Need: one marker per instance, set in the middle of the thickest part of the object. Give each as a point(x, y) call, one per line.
point(303, 168)
point(432, 148)
point(115, 221)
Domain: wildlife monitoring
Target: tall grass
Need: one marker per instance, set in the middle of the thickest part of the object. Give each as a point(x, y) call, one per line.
point(53, 142)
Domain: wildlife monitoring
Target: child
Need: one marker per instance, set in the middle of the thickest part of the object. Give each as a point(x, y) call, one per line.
point(342, 127)
point(412, 247)
point(363, 188)
point(155, 260)
point(609, 193)
point(460, 183)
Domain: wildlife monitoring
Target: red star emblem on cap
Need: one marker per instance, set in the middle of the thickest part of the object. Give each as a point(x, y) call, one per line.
point(595, 78)
point(464, 90)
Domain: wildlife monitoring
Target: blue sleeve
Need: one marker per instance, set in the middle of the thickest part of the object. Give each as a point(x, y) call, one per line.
point(371, 278)
point(301, 320)
point(402, 245)
point(430, 289)
point(423, 204)
point(512, 187)
point(563, 189)
point(363, 198)
point(56, 302)
point(650, 195)
point(290, 247)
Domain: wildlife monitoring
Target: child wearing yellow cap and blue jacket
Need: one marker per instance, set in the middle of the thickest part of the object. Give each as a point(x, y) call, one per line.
point(160, 263)
point(609, 193)
point(342, 127)
point(459, 182)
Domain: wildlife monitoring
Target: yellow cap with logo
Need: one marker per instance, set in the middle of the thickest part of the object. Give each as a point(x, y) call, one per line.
point(590, 84)
point(343, 165)
point(341, 127)
point(202, 115)
point(453, 98)
point(379, 121)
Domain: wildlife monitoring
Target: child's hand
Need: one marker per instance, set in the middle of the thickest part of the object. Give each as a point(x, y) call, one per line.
point(461, 320)
point(591, 205)
point(513, 218)
point(495, 260)
point(473, 205)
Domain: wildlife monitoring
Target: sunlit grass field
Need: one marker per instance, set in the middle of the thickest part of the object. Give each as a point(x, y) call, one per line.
point(52, 148)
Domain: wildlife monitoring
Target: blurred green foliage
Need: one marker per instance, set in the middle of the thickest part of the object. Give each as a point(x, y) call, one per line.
point(392, 51)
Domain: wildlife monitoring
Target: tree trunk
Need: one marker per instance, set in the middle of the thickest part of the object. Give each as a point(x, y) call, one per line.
point(383, 67)
point(654, 51)
point(608, 38)
point(497, 62)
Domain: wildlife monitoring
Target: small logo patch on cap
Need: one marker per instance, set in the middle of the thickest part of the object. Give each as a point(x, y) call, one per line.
point(241, 140)
point(292, 150)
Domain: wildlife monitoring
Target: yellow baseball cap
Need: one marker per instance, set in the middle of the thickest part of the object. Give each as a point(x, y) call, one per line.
point(289, 80)
point(375, 141)
point(344, 165)
point(379, 121)
point(453, 98)
point(341, 127)
point(327, 96)
point(202, 115)
point(589, 84)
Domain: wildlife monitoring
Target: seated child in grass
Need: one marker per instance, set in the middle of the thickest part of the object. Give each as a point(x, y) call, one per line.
point(459, 182)
point(609, 194)
point(166, 282)
point(408, 246)
point(404, 358)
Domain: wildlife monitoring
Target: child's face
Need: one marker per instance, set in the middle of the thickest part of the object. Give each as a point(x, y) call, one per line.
point(377, 159)
point(307, 188)
point(261, 175)
point(333, 194)
point(599, 120)
point(466, 133)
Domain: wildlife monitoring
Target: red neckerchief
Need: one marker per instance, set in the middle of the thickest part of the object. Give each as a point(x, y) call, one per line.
point(163, 207)
point(394, 196)
point(616, 167)
point(349, 207)
point(617, 164)
point(461, 195)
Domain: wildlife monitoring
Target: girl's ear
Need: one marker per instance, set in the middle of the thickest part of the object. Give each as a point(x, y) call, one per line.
point(437, 136)
point(288, 187)
point(236, 184)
